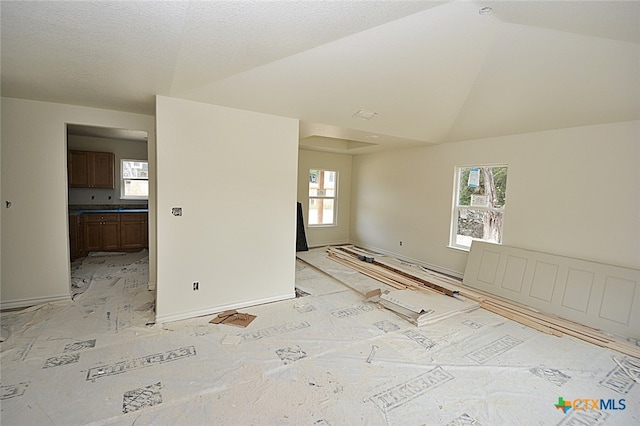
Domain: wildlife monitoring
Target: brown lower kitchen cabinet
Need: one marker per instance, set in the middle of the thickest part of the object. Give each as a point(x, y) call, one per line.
point(133, 231)
point(107, 232)
point(76, 236)
point(101, 232)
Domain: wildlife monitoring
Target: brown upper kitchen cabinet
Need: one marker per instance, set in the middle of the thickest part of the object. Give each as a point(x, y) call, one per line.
point(91, 169)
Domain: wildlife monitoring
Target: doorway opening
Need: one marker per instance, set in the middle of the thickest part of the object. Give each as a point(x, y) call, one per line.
point(108, 208)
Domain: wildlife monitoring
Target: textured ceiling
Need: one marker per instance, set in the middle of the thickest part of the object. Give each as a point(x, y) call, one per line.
point(433, 72)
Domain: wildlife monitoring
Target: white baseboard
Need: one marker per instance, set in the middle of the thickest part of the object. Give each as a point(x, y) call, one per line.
point(435, 268)
point(23, 303)
point(214, 309)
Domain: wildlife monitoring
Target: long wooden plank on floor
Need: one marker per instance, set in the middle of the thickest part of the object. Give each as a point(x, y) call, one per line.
point(522, 319)
point(419, 281)
point(380, 273)
point(546, 324)
point(525, 315)
point(551, 319)
point(368, 269)
point(563, 325)
point(371, 274)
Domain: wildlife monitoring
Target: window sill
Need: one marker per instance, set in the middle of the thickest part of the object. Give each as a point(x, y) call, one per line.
point(461, 249)
point(468, 249)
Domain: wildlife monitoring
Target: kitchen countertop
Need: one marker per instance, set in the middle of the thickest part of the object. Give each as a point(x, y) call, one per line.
point(118, 210)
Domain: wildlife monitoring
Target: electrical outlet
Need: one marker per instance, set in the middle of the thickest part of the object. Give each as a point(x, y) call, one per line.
point(400, 243)
point(176, 211)
point(196, 286)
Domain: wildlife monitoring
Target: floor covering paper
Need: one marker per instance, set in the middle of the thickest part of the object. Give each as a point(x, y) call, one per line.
point(328, 358)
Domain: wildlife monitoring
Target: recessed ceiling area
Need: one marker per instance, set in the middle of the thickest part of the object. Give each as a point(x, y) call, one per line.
point(325, 137)
point(321, 143)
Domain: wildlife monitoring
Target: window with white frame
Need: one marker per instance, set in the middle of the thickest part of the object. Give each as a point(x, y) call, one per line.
point(323, 192)
point(134, 179)
point(479, 205)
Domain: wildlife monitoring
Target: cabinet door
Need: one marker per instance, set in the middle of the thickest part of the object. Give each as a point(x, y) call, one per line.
point(78, 169)
point(110, 236)
point(102, 232)
point(81, 252)
point(76, 236)
point(133, 234)
point(92, 235)
point(101, 172)
point(73, 236)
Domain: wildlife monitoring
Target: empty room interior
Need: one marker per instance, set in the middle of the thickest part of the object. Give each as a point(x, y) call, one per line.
point(320, 212)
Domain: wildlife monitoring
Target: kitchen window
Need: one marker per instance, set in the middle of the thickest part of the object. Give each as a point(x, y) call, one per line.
point(134, 180)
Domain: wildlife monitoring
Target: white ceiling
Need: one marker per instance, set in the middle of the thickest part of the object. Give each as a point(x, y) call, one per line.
point(433, 72)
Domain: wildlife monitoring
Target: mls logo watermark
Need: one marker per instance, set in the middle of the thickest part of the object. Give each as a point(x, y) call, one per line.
point(588, 404)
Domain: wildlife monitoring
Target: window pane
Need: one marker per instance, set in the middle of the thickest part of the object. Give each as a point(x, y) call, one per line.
point(478, 224)
point(329, 180)
point(135, 169)
point(482, 186)
point(136, 188)
point(321, 211)
point(313, 211)
point(327, 214)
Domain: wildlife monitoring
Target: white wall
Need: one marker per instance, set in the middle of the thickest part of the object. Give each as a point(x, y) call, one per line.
point(35, 241)
point(307, 160)
point(129, 150)
point(234, 174)
point(573, 192)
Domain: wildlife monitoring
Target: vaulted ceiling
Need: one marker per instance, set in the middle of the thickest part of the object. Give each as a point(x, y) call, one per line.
point(431, 71)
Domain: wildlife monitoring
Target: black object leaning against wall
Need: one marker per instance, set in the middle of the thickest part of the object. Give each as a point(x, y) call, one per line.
point(301, 238)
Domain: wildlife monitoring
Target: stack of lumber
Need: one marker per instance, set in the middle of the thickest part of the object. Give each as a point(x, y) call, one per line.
point(383, 271)
point(402, 275)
